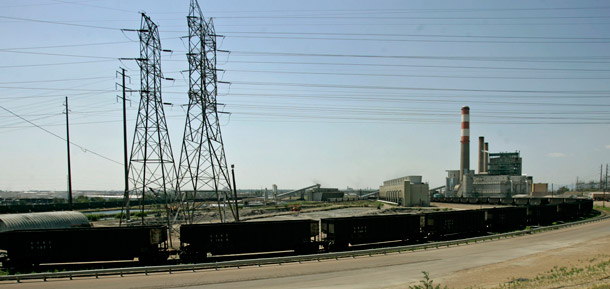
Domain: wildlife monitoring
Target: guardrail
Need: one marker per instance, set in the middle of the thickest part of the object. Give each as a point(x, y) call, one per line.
point(279, 260)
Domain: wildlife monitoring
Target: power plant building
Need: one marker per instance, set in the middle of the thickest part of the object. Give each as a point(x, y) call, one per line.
point(407, 191)
point(504, 164)
point(500, 185)
point(323, 194)
point(500, 174)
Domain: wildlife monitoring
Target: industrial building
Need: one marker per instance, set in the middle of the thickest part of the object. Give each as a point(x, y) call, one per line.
point(323, 194)
point(500, 174)
point(407, 191)
point(500, 185)
point(504, 164)
point(540, 190)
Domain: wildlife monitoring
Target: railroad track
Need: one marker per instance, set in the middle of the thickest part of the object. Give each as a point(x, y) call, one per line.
point(286, 259)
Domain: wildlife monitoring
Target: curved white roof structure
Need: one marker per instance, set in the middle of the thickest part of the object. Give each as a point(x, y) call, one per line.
point(46, 220)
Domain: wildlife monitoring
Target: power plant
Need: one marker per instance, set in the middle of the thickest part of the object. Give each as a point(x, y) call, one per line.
point(499, 174)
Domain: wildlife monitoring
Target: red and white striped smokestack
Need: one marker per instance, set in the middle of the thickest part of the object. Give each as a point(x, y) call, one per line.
point(465, 154)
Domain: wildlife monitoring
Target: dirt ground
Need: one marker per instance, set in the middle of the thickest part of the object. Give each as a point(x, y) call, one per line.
point(539, 265)
point(582, 265)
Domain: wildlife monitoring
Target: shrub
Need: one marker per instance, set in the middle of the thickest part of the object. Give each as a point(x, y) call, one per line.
point(427, 283)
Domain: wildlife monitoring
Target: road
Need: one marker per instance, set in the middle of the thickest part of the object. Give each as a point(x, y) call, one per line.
point(382, 271)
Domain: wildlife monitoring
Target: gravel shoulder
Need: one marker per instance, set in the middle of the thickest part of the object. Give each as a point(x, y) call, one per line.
point(582, 265)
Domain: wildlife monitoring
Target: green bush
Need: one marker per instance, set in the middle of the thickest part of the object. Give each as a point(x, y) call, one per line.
point(427, 283)
point(94, 217)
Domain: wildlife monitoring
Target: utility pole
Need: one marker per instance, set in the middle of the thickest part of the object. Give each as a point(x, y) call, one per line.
point(601, 169)
point(68, 145)
point(125, 156)
point(605, 185)
point(235, 194)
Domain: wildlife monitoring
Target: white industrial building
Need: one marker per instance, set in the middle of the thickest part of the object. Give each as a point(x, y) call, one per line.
point(407, 191)
point(501, 185)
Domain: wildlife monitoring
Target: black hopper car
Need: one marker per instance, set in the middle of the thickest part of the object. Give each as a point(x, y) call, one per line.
point(33, 247)
point(340, 232)
point(197, 241)
point(445, 225)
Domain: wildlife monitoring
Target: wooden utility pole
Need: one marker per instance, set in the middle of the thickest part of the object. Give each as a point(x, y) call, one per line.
point(68, 145)
point(605, 185)
point(235, 194)
point(126, 164)
point(601, 170)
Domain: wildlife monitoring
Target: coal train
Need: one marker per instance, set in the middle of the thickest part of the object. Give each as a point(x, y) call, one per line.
point(150, 243)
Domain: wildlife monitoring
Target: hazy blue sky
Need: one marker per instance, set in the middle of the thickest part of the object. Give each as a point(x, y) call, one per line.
point(343, 93)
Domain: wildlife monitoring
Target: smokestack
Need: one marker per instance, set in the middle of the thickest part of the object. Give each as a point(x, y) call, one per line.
point(481, 152)
point(465, 140)
point(485, 157)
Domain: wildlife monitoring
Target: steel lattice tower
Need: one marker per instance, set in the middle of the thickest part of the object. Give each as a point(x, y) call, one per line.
point(152, 173)
point(203, 166)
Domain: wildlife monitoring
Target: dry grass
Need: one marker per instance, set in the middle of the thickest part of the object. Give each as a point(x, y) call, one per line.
point(592, 273)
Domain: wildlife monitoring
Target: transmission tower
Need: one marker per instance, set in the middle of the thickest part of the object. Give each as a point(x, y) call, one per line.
point(203, 166)
point(152, 173)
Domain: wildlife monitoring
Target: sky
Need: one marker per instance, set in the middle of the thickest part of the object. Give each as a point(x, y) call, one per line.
point(340, 93)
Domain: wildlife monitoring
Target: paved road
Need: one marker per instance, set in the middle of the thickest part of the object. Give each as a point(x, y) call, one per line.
point(393, 270)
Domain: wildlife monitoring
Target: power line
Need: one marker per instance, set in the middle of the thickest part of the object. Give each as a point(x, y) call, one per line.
point(61, 89)
point(37, 4)
point(58, 23)
point(410, 98)
point(319, 118)
point(57, 54)
point(55, 80)
point(54, 64)
point(409, 10)
point(562, 59)
point(419, 66)
point(96, 6)
point(601, 41)
point(414, 75)
point(77, 45)
point(60, 137)
point(69, 45)
point(415, 35)
point(413, 18)
point(424, 112)
point(599, 93)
